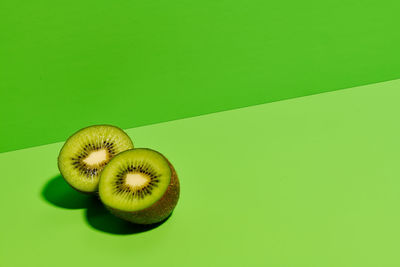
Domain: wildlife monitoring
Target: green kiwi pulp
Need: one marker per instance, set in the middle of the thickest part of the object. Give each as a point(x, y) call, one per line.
point(139, 185)
point(87, 152)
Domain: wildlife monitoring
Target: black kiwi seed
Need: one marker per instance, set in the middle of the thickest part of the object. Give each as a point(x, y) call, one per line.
point(150, 201)
point(138, 167)
point(71, 159)
point(85, 169)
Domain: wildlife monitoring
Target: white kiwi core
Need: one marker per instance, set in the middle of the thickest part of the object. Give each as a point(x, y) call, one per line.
point(136, 180)
point(96, 157)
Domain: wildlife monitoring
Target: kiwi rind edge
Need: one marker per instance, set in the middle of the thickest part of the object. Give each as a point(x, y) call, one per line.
point(159, 210)
point(95, 192)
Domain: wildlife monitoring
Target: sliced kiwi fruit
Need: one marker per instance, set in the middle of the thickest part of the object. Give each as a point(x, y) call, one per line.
point(139, 185)
point(87, 151)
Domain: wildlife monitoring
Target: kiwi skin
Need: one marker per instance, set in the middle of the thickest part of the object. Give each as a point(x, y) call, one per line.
point(157, 212)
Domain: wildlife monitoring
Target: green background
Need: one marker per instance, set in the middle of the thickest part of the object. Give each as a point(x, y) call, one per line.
point(312, 181)
point(67, 64)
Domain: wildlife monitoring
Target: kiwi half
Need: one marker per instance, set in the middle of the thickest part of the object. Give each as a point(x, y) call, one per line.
point(140, 186)
point(86, 152)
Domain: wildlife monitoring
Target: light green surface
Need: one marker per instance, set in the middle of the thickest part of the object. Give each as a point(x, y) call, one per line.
point(312, 181)
point(67, 64)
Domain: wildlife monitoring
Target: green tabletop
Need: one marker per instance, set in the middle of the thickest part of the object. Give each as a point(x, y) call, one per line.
point(312, 181)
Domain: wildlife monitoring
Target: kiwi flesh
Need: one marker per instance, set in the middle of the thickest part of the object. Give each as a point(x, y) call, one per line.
point(139, 185)
point(86, 152)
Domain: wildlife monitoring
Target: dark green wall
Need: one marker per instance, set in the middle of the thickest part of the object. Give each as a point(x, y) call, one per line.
point(68, 64)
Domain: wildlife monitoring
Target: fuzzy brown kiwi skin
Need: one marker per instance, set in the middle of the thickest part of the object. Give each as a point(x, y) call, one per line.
point(157, 212)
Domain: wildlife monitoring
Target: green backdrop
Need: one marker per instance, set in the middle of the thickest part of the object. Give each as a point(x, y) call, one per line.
point(67, 64)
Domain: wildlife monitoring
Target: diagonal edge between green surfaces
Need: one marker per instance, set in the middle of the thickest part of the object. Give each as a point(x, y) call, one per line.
point(395, 83)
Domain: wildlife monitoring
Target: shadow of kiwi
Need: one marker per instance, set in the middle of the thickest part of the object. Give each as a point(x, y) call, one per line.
point(98, 217)
point(58, 193)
